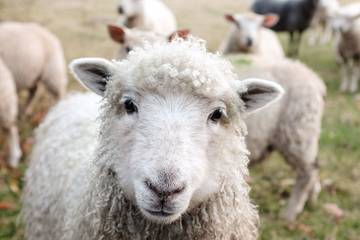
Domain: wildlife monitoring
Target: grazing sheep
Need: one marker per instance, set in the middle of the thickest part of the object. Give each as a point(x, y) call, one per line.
point(147, 15)
point(346, 25)
point(321, 23)
point(290, 126)
point(170, 159)
point(33, 55)
point(295, 17)
point(131, 38)
point(8, 113)
point(248, 35)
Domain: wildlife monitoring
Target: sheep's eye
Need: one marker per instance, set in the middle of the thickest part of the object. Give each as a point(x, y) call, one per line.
point(216, 115)
point(130, 106)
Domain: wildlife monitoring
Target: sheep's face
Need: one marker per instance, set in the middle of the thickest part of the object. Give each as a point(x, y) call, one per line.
point(342, 23)
point(166, 139)
point(131, 38)
point(247, 27)
point(168, 164)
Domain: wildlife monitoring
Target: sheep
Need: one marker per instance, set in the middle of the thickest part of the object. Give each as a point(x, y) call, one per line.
point(321, 22)
point(147, 15)
point(346, 24)
point(295, 18)
point(248, 36)
point(290, 126)
point(131, 38)
point(166, 158)
point(33, 55)
point(8, 113)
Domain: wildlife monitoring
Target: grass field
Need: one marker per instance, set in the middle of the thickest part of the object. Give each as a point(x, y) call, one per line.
point(80, 24)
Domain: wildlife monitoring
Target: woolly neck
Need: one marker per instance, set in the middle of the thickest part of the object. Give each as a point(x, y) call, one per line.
point(228, 214)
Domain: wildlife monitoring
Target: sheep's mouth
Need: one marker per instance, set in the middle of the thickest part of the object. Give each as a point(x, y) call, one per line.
point(160, 213)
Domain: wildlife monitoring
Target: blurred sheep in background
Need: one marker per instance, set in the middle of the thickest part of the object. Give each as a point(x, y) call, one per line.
point(248, 35)
point(321, 23)
point(30, 55)
point(8, 114)
point(131, 38)
point(295, 17)
point(346, 25)
point(147, 15)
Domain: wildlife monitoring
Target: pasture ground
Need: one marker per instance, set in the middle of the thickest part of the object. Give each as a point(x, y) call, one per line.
point(80, 24)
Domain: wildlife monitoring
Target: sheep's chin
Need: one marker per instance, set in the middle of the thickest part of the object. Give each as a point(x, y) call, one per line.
point(161, 219)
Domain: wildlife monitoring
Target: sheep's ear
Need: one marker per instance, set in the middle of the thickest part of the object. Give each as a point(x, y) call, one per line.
point(183, 33)
point(230, 18)
point(270, 20)
point(258, 93)
point(93, 73)
point(116, 33)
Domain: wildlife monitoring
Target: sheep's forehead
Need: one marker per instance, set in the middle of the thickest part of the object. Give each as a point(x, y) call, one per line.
point(248, 19)
point(178, 66)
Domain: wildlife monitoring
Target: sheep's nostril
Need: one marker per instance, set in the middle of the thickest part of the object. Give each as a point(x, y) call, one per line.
point(249, 42)
point(178, 190)
point(120, 10)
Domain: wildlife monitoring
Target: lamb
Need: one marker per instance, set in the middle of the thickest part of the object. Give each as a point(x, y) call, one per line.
point(295, 18)
point(290, 126)
point(166, 159)
point(346, 25)
point(321, 22)
point(8, 113)
point(41, 61)
point(147, 15)
point(249, 36)
point(131, 38)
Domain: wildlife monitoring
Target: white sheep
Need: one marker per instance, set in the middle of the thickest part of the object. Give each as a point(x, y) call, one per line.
point(290, 126)
point(8, 113)
point(132, 38)
point(321, 22)
point(33, 55)
point(147, 15)
point(346, 24)
point(249, 35)
point(165, 160)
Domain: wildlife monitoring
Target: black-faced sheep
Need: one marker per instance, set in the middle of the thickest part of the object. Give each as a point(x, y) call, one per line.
point(295, 17)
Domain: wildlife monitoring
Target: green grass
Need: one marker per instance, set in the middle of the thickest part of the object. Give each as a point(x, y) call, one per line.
point(82, 32)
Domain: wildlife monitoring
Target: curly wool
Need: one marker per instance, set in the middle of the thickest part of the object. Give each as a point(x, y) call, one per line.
point(73, 194)
point(183, 65)
point(226, 215)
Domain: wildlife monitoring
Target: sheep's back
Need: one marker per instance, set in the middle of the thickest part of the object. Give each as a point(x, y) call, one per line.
point(23, 52)
point(64, 144)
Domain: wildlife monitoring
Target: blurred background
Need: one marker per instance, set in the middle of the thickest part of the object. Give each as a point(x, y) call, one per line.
point(81, 27)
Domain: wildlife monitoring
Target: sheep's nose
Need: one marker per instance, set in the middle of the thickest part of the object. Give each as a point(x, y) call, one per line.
point(164, 194)
point(249, 42)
